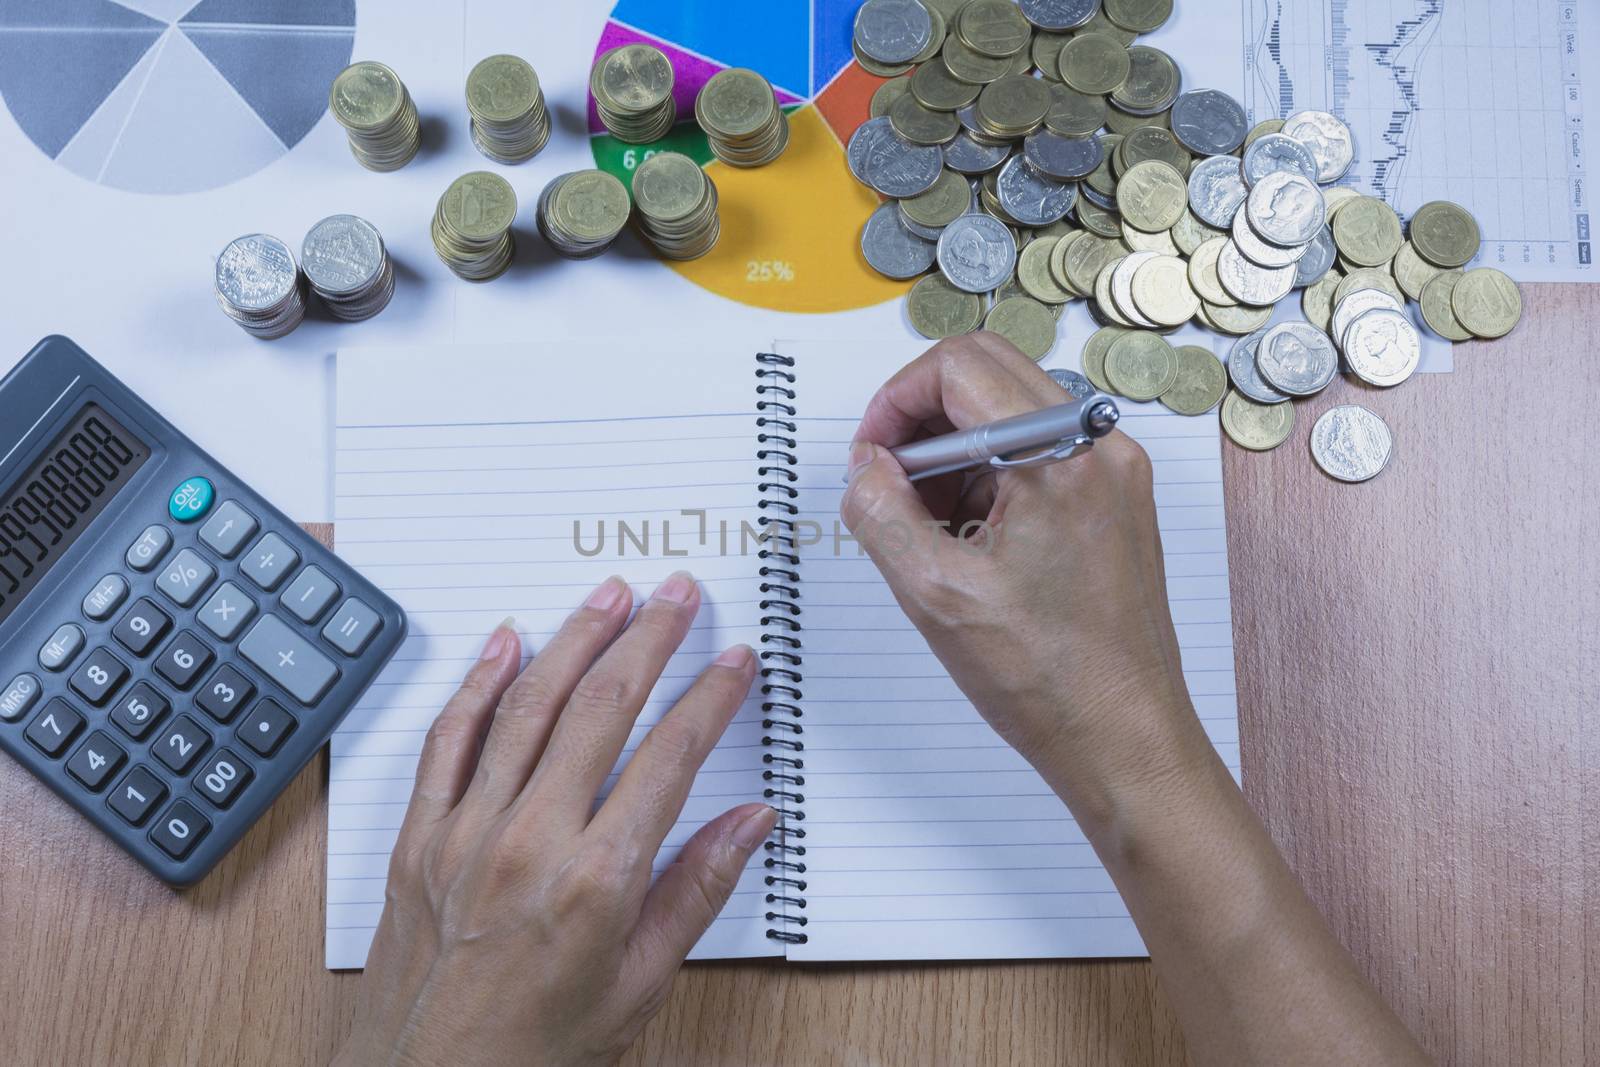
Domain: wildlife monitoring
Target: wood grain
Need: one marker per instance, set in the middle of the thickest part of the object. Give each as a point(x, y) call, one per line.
point(1418, 711)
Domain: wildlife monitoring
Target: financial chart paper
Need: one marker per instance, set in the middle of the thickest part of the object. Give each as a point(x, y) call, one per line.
point(1476, 101)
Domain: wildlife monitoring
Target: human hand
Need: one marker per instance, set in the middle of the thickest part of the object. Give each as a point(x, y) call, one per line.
point(520, 924)
point(1052, 616)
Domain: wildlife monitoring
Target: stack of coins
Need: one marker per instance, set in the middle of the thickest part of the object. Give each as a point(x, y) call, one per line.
point(348, 267)
point(677, 206)
point(581, 214)
point(472, 227)
point(509, 121)
point(632, 89)
point(373, 105)
point(740, 114)
point(259, 287)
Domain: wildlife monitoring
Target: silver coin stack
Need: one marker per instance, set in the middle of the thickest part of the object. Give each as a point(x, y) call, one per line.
point(376, 110)
point(510, 123)
point(349, 267)
point(259, 286)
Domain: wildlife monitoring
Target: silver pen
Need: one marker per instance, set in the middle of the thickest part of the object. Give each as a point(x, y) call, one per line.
point(1039, 437)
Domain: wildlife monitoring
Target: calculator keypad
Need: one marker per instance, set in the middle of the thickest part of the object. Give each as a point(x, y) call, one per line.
point(146, 553)
point(137, 795)
point(310, 595)
point(96, 761)
point(184, 660)
point(140, 710)
point(179, 829)
point(184, 742)
point(62, 648)
point(265, 728)
point(227, 612)
point(105, 598)
point(289, 660)
point(223, 775)
point(229, 527)
point(101, 675)
point(225, 693)
point(142, 628)
point(18, 697)
point(53, 729)
point(269, 561)
point(186, 578)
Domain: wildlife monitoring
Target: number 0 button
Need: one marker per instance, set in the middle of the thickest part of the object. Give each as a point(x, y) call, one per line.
point(220, 780)
point(179, 829)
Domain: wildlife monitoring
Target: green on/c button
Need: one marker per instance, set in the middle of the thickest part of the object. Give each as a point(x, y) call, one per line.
point(191, 500)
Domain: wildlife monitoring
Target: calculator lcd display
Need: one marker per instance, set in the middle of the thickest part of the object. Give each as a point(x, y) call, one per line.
point(45, 510)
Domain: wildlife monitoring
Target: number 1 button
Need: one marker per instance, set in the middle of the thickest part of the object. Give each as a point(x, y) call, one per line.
point(136, 795)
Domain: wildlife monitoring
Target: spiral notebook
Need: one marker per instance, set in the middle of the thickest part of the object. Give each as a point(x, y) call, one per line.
point(473, 484)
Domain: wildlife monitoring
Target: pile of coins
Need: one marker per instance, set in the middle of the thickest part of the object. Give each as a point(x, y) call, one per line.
point(677, 203)
point(472, 226)
point(741, 118)
point(581, 214)
point(349, 267)
point(632, 89)
point(259, 286)
point(510, 123)
point(373, 105)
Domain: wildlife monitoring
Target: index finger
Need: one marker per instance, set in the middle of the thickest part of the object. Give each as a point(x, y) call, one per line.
point(961, 382)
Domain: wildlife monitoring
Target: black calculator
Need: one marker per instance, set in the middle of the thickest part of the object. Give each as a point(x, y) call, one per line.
point(173, 649)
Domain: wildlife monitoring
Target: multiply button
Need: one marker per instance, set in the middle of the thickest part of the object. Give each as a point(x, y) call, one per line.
point(289, 660)
point(226, 613)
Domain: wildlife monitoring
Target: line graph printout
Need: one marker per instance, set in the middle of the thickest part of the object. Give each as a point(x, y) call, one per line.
point(1476, 101)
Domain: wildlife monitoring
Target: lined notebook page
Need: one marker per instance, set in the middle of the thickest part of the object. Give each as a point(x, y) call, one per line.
point(927, 836)
point(459, 476)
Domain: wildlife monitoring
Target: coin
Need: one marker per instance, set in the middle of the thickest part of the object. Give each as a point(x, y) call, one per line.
point(1202, 271)
point(1208, 122)
point(1357, 303)
point(1445, 234)
point(1258, 427)
point(1244, 373)
point(1094, 63)
point(1249, 282)
point(1189, 233)
point(1160, 243)
point(348, 267)
point(921, 126)
point(1162, 292)
point(1275, 153)
point(1318, 259)
point(1382, 347)
point(1033, 272)
point(1412, 271)
point(1286, 209)
point(376, 110)
point(893, 31)
point(1030, 197)
point(1151, 142)
point(935, 87)
point(964, 155)
point(891, 249)
point(1297, 358)
point(889, 163)
point(1261, 129)
point(510, 123)
point(678, 206)
point(1013, 106)
point(1317, 301)
point(938, 309)
point(1141, 365)
point(1074, 114)
point(1217, 190)
point(1152, 85)
point(1152, 196)
point(1076, 385)
point(1367, 232)
point(1139, 16)
point(1487, 303)
point(1201, 383)
point(977, 253)
point(584, 213)
point(1239, 320)
point(1351, 443)
point(1062, 158)
point(1057, 16)
point(1087, 257)
point(743, 123)
point(259, 287)
point(632, 90)
point(887, 93)
point(1024, 322)
point(1094, 356)
point(1329, 140)
point(994, 28)
point(1437, 309)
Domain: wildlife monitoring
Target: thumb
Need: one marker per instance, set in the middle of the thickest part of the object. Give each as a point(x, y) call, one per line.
point(885, 512)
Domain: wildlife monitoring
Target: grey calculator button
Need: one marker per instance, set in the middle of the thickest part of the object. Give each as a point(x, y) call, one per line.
point(186, 578)
point(229, 527)
point(145, 553)
point(226, 613)
point(105, 598)
point(19, 696)
point(269, 562)
point(62, 648)
point(310, 595)
point(289, 660)
point(352, 628)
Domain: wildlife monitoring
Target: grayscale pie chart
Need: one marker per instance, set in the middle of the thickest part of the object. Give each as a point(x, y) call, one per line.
point(170, 96)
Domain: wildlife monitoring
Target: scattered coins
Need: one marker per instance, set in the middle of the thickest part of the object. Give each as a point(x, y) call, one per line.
point(741, 118)
point(348, 267)
point(259, 286)
point(632, 89)
point(373, 105)
point(1351, 443)
point(510, 123)
point(472, 226)
point(677, 204)
point(581, 214)
point(1258, 427)
point(938, 309)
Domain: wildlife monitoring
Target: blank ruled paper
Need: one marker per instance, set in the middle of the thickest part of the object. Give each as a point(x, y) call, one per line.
point(927, 836)
point(459, 476)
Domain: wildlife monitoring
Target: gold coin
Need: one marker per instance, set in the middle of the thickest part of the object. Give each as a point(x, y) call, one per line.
point(479, 206)
point(1152, 82)
point(1238, 320)
point(1047, 53)
point(939, 90)
point(1153, 142)
point(1088, 256)
point(1368, 278)
point(1120, 121)
point(1258, 427)
point(1074, 114)
point(1336, 197)
point(1097, 220)
point(1142, 365)
point(1098, 23)
point(1412, 271)
point(1317, 300)
point(1094, 63)
point(1152, 196)
point(1058, 262)
point(941, 205)
point(735, 104)
point(591, 205)
point(1445, 234)
point(921, 126)
point(366, 95)
point(970, 66)
point(1487, 302)
point(1367, 232)
point(941, 29)
point(1260, 130)
point(1106, 301)
point(994, 28)
point(1139, 16)
point(1161, 290)
point(1094, 356)
point(1438, 311)
point(1015, 104)
point(1189, 233)
point(505, 88)
point(889, 92)
point(938, 309)
point(1101, 179)
point(879, 70)
point(1159, 243)
point(1033, 272)
point(1024, 322)
point(634, 79)
point(1202, 382)
point(1203, 277)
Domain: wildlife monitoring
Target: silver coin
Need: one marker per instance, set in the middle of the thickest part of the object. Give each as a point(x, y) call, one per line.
point(1208, 122)
point(1297, 358)
point(1382, 347)
point(964, 155)
point(1216, 190)
point(1057, 16)
point(891, 249)
point(1030, 197)
point(1330, 141)
point(1244, 375)
point(1064, 159)
point(1250, 283)
point(977, 253)
point(1358, 303)
point(1351, 443)
point(863, 143)
point(927, 233)
point(256, 273)
point(1273, 153)
point(1260, 252)
point(893, 31)
point(1074, 383)
point(1318, 259)
point(891, 164)
point(342, 254)
point(1287, 209)
point(1122, 288)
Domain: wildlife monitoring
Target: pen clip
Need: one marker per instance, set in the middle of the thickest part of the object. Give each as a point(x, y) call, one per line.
point(1066, 448)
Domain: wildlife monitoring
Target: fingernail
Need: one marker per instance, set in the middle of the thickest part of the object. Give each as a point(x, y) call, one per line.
point(495, 647)
point(736, 657)
point(749, 834)
point(678, 588)
point(861, 453)
point(607, 595)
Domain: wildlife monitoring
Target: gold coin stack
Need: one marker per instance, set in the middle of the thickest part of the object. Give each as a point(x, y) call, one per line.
point(677, 204)
point(373, 105)
point(581, 214)
point(740, 115)
point(472, 227)
point(632, 89)
point(510, 123)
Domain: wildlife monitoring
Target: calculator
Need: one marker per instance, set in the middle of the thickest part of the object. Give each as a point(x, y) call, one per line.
point(173, 649)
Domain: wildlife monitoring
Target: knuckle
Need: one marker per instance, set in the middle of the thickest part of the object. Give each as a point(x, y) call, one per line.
point(604, 690)
point(533, 691)
point(450, 730)
point(675, 742)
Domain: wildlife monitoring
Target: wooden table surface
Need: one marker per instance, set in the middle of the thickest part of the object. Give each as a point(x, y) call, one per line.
point(1420, 723)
